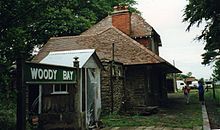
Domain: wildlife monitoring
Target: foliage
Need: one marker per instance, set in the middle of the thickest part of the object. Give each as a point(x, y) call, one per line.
point(182, 76)
point(189, 74)
point(25, 24)
point(216, 71)
point(202, 80)
point(8, 111)
point(198, 11)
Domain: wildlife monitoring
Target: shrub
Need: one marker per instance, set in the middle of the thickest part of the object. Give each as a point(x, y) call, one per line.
point(7, 111)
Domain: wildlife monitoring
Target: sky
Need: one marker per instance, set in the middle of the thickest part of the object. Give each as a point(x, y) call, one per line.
point(178, 45)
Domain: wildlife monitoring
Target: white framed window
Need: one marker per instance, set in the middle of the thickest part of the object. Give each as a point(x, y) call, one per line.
point(120, 71)
point(60, 89)
point(117, 71)
point(92, 75)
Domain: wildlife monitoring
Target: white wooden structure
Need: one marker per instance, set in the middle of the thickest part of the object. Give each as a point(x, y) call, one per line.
point(90, 70)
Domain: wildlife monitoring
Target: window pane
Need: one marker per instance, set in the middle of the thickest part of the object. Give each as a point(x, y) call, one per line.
point(63, 87)
point(57, 87)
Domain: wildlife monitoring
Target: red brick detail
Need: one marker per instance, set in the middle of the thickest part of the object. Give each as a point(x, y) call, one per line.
point(122, 21)
point(143, 41)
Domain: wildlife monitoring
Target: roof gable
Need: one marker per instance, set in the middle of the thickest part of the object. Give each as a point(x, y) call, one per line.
point(127, 50)
point(65, 58)
point(139, 27)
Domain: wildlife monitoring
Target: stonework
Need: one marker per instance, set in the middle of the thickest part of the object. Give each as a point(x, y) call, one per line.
point(107, 85)
point(135, 86)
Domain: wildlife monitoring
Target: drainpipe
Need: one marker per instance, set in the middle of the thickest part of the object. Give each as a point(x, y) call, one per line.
point(174, 79)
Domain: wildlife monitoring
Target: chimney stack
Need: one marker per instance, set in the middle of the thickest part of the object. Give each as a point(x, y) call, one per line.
point(121, 19)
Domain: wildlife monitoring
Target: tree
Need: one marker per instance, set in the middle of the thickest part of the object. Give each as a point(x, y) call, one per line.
point(216, 71)
point(28, 23)
point(208, 11)
point(180, 76)
point(25, 24)
point(189, 74)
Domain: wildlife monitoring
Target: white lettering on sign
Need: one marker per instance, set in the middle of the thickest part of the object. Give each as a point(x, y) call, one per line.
point(40, 73)
point(67, 75)
point(37, 73)
point(51, 74)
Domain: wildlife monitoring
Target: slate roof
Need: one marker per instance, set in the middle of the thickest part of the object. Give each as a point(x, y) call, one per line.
point(139, 28)
point(127, 50)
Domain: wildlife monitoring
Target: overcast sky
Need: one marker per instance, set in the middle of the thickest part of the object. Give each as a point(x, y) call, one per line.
point(165, 16)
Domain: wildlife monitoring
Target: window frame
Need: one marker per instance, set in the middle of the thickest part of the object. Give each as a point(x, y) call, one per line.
point(60, 91)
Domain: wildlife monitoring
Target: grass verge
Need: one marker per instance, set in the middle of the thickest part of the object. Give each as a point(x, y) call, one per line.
point(176, 114)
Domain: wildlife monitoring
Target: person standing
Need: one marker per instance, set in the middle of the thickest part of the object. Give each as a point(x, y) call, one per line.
point(201, 92)
point(186, 91)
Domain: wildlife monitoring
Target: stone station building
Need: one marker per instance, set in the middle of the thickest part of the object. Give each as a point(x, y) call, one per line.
point(133, 74)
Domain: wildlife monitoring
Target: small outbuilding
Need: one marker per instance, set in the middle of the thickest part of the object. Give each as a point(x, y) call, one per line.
point(56, 100)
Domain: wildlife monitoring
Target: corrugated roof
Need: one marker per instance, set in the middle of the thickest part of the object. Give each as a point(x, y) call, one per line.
point(65, 58)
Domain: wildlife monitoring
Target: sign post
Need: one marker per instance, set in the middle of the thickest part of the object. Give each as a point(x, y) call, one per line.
point(21, 114)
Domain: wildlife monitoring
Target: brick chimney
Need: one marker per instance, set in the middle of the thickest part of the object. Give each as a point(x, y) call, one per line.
point(121, 19)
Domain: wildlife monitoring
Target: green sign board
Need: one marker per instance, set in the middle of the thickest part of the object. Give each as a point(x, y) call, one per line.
point(36, 73)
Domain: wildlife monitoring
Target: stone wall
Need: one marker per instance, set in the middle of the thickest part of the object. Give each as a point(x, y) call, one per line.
point(133, 86)
point(107, 85)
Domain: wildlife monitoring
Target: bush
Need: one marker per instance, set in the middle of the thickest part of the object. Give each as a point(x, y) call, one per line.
point(7, 111)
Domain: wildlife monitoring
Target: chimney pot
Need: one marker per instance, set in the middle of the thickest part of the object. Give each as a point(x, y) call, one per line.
point(120, 8)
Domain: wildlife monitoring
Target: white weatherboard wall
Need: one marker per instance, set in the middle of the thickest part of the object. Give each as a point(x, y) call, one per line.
point(93, 89)
point(92, 77)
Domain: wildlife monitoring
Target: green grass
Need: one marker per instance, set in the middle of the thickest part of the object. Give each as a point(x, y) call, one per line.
point(213, 107)
point(209, 94)
point(217, 94)
point(176, 114)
